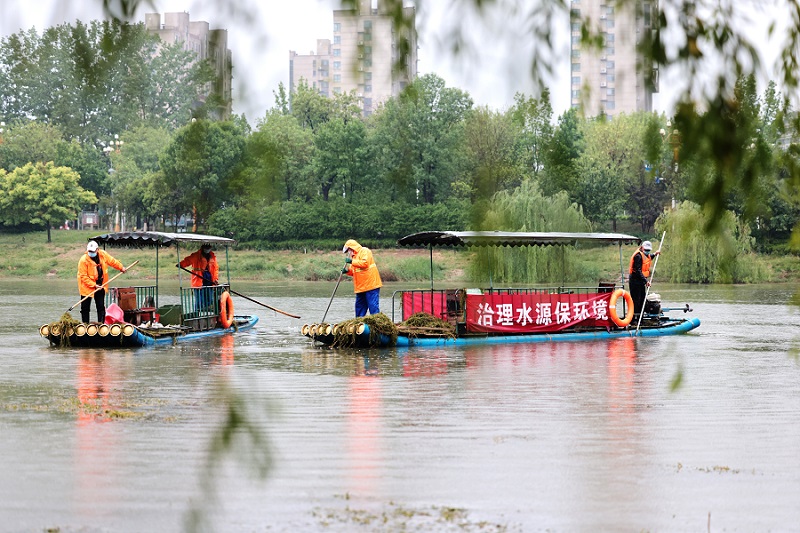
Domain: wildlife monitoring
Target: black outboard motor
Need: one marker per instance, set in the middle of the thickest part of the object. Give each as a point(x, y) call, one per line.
point(652, 305)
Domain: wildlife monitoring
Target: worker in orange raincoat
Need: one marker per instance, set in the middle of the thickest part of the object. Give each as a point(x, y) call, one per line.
point(204, 264)
point(366, 278)
point(205, 269)
point(92, 274)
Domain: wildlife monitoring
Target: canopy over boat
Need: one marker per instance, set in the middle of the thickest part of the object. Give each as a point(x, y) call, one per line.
point(157, 239)
point(512, 238)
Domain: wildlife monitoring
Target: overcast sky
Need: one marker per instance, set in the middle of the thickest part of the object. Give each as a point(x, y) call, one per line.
point(261, 50)
point(260, 44)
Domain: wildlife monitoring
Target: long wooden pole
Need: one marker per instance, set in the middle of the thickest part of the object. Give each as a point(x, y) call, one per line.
point(649, 282)
point(246, 297)
point(103, 286)
point(333, 294)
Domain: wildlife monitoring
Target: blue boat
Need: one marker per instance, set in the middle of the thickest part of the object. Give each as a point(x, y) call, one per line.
point(202, 311)
point(463, 317)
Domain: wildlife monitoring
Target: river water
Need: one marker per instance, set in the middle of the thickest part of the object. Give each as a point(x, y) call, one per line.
point(696, 432)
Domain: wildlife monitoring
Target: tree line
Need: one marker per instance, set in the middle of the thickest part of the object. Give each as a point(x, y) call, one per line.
point(314, 168)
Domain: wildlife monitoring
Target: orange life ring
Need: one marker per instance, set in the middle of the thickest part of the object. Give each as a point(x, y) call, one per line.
point(612, 308)
point(225, 309)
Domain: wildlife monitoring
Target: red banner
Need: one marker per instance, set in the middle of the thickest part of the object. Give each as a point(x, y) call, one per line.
point(539, 312)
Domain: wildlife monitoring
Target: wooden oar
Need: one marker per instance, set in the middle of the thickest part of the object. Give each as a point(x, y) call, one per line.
point(103, 286)
point(243, 296)
point(649, 282)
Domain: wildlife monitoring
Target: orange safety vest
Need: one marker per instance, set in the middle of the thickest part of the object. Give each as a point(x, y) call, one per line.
point(646, 262)
point(363, 269)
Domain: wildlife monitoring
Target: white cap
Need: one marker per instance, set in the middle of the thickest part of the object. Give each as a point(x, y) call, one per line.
point(91, 247)
point(344, 250)
point(647, 246)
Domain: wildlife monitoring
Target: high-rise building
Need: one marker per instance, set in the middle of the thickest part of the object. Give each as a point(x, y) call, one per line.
point(616, 78)
point(361, 58)
point(207, 44)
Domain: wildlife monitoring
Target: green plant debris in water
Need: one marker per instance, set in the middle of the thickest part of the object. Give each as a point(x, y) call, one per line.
point(397, 517)
point(64, 325)
point(379, 324)
point(426, 324)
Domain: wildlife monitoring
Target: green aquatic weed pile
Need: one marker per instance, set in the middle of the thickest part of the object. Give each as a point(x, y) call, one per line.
point(426, 324)
point(379, 324)
point(64, 325)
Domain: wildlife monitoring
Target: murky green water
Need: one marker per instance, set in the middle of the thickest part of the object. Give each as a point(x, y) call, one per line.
point(560, 437)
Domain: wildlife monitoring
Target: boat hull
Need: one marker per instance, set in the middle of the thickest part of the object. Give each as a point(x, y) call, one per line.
point(670, 327)
point(141, 337)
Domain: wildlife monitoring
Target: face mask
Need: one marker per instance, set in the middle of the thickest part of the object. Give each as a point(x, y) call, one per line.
point(92, 254)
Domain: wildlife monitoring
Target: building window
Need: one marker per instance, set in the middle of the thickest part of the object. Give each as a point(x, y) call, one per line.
point(368, 76)
point(368, 36)
point(367, 25)
point(337, 78)
point(367, 88)
point(367, 63)
point(576, 67)
point(337, 39)
point(337, 52)
point(337, 90)
point(611, 105)
point(367, 50)
point(609, 65)
point(610, 92)
point(576, 53)
point(576, 80)
point(337, 65)
point(576, 39)
point(576, 94)
point(337, 27)
point(609, 23)
point(609, 50)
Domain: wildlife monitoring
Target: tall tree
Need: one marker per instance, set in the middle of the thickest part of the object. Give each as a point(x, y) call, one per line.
point(200, 161)
point(41, 194)
point(420, 133)
point(534, 118)
point(490, 140)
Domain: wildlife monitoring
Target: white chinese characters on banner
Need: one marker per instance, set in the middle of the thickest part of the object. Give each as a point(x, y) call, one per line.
point(540, 311)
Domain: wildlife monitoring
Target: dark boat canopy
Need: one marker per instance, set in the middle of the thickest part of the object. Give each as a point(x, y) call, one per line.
point(512, 238)
point(157, 239)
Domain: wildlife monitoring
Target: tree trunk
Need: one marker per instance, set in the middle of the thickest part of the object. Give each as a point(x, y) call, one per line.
point(48, 231)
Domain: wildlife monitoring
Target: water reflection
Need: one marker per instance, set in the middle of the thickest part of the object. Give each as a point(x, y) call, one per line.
point(96, 444)
point(364, 432)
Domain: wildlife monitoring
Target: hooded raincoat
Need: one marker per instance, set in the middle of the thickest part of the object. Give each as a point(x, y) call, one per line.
point(363, 269)
point(199, 264)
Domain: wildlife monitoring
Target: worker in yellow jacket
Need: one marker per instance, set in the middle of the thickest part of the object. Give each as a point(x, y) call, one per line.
point(92, 273)
point(366, 278)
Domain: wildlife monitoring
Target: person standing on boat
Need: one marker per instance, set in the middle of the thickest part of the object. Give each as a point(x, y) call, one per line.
point(205, 269)
point(641, 262)
point(366, 278)
point(92, 273)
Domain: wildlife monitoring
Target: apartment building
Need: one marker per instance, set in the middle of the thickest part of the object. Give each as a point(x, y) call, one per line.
point(206, 43)
point(616, 78)
point(362, 57)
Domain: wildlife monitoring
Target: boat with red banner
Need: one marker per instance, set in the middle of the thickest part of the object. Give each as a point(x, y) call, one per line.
point(509, 315)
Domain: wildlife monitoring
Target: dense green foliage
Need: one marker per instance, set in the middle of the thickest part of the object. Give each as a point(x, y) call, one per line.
point(314, 170)
point(694, 256)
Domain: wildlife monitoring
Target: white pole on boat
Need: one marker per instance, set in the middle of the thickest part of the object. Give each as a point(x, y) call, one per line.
point(650, 281)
